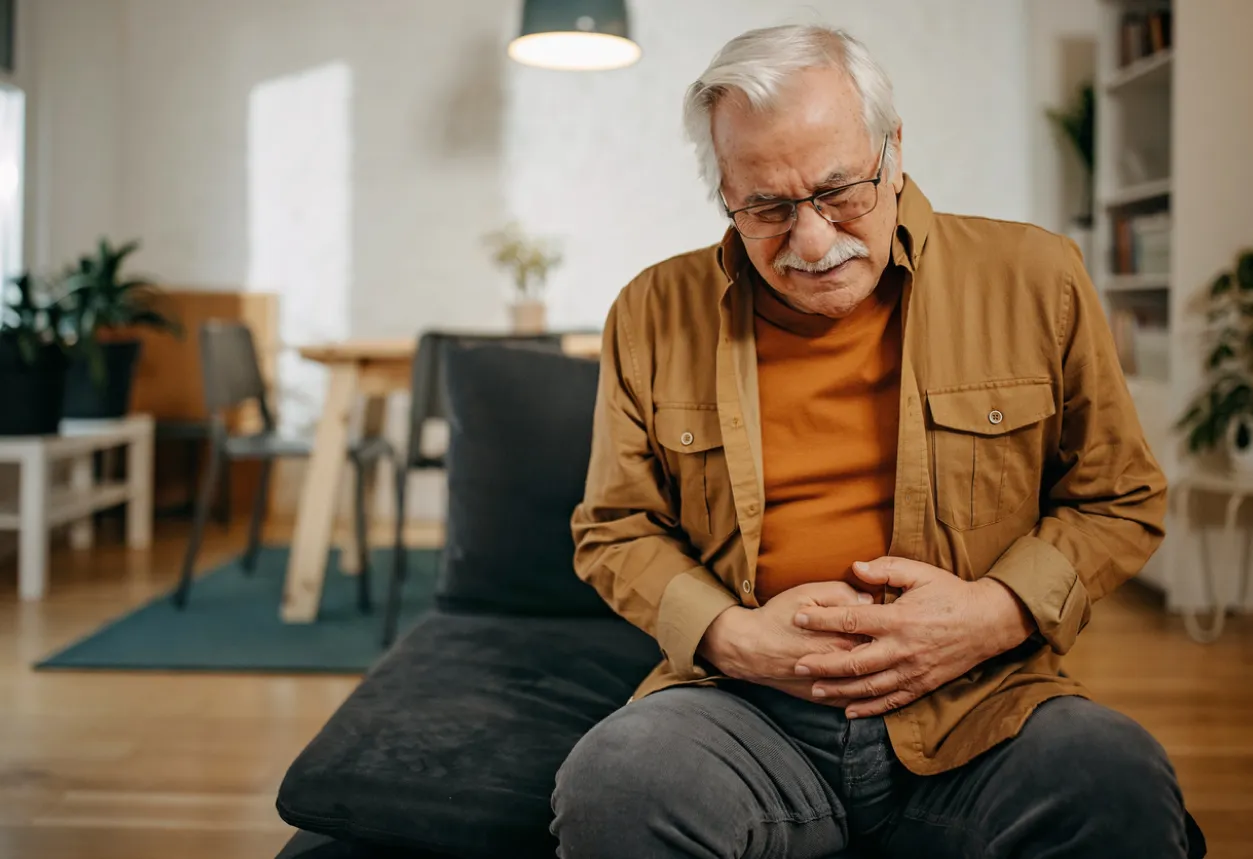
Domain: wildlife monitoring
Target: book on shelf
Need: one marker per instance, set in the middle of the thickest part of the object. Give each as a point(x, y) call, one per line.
point(1143, 34)
point(1141, 244)
point(1142, 342)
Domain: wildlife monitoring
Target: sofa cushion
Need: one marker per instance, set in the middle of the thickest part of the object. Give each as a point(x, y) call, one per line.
point(520, 434)
point(452, 743)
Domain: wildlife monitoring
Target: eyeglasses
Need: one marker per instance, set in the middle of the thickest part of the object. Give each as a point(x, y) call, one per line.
point(837, 205)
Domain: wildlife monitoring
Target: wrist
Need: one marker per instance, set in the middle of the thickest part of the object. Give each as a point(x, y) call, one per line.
point(720, 644)
point(1010, 624)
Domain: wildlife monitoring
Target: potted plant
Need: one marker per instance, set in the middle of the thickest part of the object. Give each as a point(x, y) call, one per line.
point(529, 260)
point(1221, 415)
point(33, 358)
point(103, 311)
point(1076, 122)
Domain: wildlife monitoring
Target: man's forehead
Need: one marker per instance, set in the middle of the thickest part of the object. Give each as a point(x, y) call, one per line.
point(795, 168)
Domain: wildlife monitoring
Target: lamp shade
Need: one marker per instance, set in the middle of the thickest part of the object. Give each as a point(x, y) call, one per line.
point(580, 35)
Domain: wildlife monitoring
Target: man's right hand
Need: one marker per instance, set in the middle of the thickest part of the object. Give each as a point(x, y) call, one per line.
point(762, 645)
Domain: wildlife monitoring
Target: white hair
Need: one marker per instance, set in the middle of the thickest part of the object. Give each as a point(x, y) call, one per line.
point(759, 61)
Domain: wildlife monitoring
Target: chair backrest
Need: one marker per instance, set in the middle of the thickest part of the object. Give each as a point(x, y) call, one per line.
point(428, 397)
point(229, 368)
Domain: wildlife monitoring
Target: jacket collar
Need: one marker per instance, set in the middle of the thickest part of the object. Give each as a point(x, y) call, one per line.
point(913, 222)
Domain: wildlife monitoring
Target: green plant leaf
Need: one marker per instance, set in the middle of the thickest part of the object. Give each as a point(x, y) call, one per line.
point(1244, 271)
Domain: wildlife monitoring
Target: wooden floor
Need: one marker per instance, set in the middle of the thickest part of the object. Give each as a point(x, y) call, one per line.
point(129, 766)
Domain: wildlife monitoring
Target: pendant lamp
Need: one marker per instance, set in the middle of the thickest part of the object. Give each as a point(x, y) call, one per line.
point(574, 35)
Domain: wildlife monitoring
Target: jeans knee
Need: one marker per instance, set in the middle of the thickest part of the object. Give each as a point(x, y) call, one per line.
point(1094, 754)
point(618, 766)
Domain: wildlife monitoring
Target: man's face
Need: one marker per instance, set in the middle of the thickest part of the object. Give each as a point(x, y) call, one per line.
point(814, 139)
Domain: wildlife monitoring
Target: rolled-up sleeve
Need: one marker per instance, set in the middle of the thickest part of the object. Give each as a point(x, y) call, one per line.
point(628, 543)
point(1104, 513)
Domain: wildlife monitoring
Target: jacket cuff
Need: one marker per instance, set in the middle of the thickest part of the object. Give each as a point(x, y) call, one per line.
point(1046, 583)
point(689, 605)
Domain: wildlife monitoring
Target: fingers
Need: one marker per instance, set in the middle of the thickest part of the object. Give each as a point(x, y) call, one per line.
point(871, 620)
point(896, 572)
point(860, 661)
point(879, 706)
point(835, 593)
point(805, 690)
point(861, 689)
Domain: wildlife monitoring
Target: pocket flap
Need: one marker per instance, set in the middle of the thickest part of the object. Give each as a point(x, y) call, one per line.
point(688, 429)
point(993, 410)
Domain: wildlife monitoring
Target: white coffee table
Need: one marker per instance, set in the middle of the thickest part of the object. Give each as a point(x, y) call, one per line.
point(36, 505)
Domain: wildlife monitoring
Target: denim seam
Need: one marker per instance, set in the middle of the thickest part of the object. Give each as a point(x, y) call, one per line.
point(813, 817)
point(877, 767)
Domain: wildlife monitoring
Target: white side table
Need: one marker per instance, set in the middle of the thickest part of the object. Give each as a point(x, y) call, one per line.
point(1237, 489)
point(37, 507)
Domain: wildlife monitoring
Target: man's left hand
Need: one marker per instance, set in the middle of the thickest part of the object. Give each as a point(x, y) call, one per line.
point(939, 628)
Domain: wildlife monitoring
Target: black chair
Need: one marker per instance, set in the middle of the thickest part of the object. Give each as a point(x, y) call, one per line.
point(232, 376)
point(428, 402)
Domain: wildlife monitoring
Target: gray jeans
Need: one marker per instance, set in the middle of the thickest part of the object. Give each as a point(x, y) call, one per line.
point(745, 771)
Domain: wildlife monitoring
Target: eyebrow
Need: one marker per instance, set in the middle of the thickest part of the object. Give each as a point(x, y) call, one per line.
point(834, 179)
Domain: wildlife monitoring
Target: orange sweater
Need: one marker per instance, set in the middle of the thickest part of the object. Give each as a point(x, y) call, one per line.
point(829, 392)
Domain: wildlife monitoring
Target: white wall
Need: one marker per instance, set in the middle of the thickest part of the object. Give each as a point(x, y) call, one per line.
point(1062, 56)
point(70, 60)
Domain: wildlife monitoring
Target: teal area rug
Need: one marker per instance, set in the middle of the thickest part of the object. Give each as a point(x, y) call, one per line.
point(231, 623)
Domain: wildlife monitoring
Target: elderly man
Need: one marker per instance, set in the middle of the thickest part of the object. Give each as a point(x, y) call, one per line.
point(861, 469)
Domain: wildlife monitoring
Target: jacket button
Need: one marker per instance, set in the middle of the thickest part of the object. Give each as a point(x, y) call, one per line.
point(752, 509)
point(735, 423)
point(748, 587)
point(686, 438)
point(995, 416)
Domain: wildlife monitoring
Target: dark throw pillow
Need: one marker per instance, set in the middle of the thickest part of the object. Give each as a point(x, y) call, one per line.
point(520, 435)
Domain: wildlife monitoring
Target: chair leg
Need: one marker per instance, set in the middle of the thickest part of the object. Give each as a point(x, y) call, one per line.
point(224, 499)
point(259, 505)
point(363, 546)
point(204, 502)
point(392, 614)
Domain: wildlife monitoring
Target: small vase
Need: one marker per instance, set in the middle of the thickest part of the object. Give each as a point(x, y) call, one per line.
point(528, 317)
point(1241, 458)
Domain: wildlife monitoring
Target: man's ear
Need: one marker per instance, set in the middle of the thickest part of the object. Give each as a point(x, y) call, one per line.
point(898, 180)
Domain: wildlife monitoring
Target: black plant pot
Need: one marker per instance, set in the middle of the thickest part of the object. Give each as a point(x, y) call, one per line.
point(33, 393)
point(85, 397)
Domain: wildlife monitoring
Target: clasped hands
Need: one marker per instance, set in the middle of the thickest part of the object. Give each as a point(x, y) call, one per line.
point(830, 642)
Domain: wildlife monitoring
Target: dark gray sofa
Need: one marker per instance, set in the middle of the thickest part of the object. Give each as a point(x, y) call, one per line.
point(450, 745)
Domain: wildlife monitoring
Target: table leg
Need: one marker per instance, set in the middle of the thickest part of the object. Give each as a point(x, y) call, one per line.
point(371, 426)
point(82, 478)
point(33, 512)
point(306, 568)
point(1191, 619)
point(139, 503)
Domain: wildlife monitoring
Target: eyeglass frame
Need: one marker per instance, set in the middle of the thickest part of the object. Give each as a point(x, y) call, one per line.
point(812, 199)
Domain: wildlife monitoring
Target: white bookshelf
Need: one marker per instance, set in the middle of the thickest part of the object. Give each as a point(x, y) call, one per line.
point(1134, 242)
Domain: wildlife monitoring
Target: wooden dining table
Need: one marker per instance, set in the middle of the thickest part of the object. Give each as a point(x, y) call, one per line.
point(363, 372)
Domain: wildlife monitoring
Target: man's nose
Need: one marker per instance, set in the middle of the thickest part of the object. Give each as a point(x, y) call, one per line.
point(811, 234)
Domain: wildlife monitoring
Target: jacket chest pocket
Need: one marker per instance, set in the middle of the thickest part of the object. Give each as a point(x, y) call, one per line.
point(693, 437)
point(987, 446)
